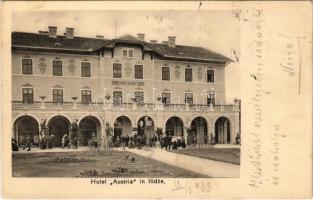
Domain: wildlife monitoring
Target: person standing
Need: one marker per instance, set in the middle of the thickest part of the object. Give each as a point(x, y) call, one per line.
point(95, 143)
point(28, 142)
point(49, 142)
point(64, 141)
point(14, 145)
point(126, 140)
point(75, 143)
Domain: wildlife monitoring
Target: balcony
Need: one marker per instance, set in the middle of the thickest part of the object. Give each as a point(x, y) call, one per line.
point(22, 104)
point(98, 106)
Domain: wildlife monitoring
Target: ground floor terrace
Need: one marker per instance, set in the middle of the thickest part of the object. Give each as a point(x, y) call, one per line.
point(195, 127)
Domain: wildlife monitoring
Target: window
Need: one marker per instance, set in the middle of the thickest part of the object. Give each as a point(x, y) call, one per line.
point(165, 73)
point(57, 67)
point(138, 72)
point(210, 76)
point(28, 95)
point(85, 69)
point(188, 74)
point(27, 66)
point(57, 95)
point(166, 98)
point(211, 99)
point(86, 96)
point(117, 70)
point(139, 97)
point(189, 98)
point(128, 53)
point(117, 98)
point(124, 52)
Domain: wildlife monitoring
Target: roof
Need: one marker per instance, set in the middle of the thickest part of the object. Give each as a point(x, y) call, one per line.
point(92, 45)
point(60, 42)
point(187, 52)
point(128, 37)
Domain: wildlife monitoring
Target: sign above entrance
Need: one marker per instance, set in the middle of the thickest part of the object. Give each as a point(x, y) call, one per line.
point(139, 83)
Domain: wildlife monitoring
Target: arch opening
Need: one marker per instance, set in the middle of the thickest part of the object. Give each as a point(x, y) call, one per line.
point(122, 127)
point(174, 127)
point(26, 129)
point(89, 128)
point(222, 131)
point(199, 131)
point(58, 126)
point(145, 127)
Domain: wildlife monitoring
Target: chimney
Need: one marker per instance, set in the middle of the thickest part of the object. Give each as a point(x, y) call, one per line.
point(141, 36)
point(69, 33)
point(171, 41)
point(52, 31)
point(153, 41)
point(99, 36)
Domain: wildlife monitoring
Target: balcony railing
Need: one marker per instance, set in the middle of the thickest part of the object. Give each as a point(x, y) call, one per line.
point(123, 106)
point(91, 105)
point(58, 104)
point(22, 104)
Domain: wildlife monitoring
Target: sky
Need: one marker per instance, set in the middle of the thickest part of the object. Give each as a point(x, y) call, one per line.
point(215, 30)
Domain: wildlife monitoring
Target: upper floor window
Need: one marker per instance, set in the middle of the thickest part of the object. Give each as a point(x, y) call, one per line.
point(128, 53)
point(188, 74)
point(117, 98)
point(27, 66)
point(86, 96)
point(138, 72)
point(210, 76)
point(85, 69)
point(28, 95)
point(166, 73)
point(58, 95)
point(57, 67)
point(139, 96)
point(117, 70)
point(211, 99)
point(189, 98)
point(166, 98)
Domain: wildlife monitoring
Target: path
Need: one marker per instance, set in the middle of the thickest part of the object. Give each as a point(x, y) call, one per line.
point(207, 167)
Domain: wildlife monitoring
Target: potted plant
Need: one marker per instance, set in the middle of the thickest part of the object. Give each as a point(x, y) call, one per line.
point(107, 97)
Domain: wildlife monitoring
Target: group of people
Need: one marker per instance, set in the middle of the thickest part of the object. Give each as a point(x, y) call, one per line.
point(68, 142)
point(172, 142)
point(136, 140)
point(166, 141)
point(46, 142)
point(28, 143)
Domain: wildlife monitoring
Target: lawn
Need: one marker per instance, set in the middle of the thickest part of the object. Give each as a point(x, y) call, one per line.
point(230, 155)
point(93, 164)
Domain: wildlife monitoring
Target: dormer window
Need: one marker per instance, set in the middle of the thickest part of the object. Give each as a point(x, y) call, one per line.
point(128, 53)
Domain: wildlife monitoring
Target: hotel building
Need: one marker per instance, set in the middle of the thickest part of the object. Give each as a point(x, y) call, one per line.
point(127, 83)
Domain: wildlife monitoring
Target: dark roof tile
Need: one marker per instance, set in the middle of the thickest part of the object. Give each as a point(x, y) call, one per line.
point(34, 40)
point(60, 42)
